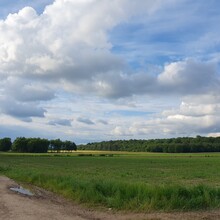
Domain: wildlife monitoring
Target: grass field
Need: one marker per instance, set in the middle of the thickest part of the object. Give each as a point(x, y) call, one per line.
point(126, 181)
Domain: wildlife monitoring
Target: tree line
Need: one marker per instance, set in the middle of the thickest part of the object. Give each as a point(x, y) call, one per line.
point(171, 145)
point(36, 145)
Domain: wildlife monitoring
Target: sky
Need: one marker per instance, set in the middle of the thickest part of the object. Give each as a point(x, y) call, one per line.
point(94, 70)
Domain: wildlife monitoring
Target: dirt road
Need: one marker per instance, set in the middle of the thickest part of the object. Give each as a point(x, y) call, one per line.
point(47, 206)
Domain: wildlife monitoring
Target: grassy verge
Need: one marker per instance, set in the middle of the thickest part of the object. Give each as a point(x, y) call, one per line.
point(136, 184)
point(137, 197)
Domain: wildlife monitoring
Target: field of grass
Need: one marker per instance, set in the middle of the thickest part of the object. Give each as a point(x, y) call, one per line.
point(120, 180)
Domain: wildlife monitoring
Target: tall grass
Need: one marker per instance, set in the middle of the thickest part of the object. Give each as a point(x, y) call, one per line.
point(125, 196)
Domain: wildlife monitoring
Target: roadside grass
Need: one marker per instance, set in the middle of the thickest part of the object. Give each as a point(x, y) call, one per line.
point(144, 183)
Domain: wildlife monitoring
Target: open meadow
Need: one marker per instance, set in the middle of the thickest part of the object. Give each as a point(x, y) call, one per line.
point(123, 181)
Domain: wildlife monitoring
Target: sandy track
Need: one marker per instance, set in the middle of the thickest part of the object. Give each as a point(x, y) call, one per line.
point(47, 206)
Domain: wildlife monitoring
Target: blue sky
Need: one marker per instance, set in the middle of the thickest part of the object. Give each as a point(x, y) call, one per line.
point(97, 70)
point(166, 36)
point(14, 6)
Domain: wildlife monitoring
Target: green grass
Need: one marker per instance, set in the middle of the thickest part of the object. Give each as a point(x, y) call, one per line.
point(125, 181)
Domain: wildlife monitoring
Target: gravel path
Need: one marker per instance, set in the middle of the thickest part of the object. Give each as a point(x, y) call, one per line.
point(47, 206)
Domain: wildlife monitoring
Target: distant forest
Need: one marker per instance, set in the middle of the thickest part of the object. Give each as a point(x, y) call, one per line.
point(171, 145)
point(35, 145)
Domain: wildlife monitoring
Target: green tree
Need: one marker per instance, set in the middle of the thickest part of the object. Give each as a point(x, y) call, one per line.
point(5, 144)
point(69, 146)
point(56, 145)
point(20, 144)
point(37, 145)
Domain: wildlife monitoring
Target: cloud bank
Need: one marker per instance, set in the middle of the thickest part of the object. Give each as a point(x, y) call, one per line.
point(67, 49)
